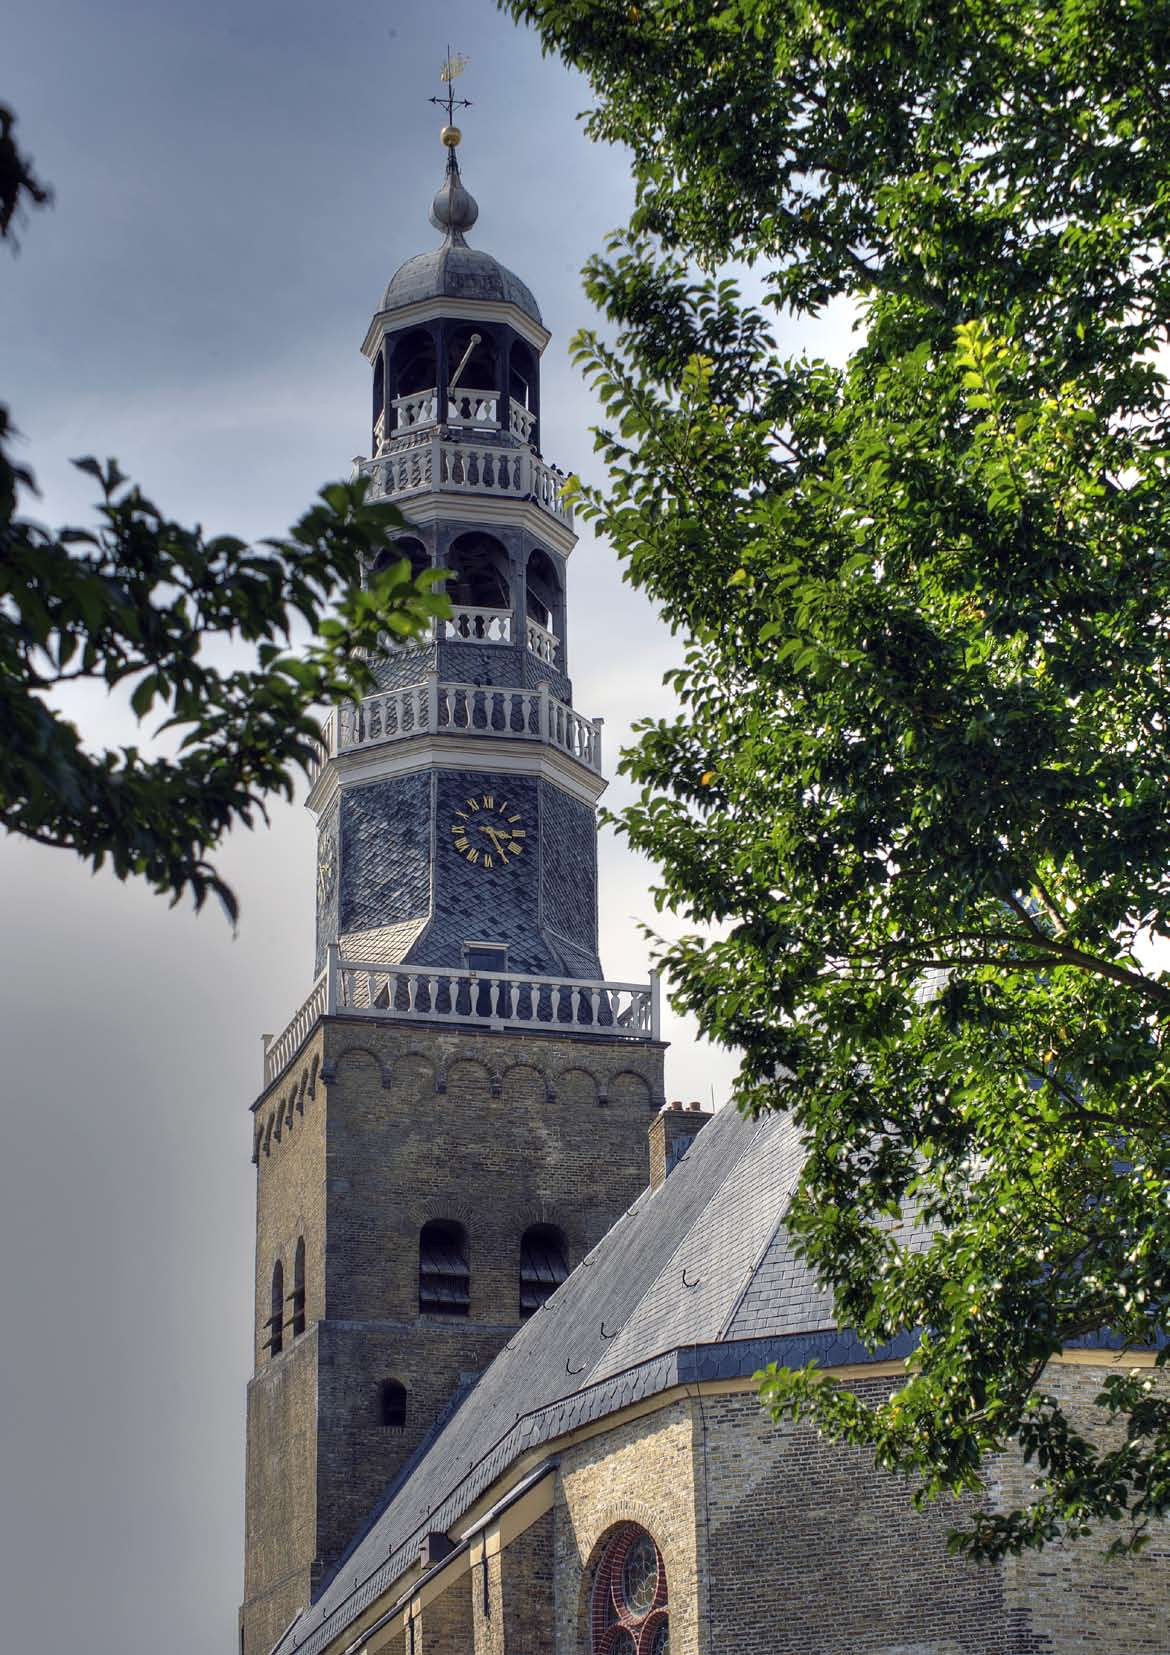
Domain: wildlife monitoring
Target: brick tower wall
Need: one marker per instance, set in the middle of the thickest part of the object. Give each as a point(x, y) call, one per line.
point(403, 1124)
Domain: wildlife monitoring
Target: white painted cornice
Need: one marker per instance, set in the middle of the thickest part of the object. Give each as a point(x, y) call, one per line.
point(442, 308)
point(430, 752)
point(458, 505)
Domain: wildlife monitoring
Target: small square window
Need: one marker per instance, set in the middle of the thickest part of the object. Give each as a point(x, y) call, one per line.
point(486, 956)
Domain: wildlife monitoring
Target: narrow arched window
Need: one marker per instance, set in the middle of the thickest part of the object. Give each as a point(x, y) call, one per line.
point(379, 403)
point(480, 562)
point(629, 1611)
point(543, 1266)
point(392, 1404)
point(275, 1340)
point(444, 1281)
point(298, 1292)
point(413, 365)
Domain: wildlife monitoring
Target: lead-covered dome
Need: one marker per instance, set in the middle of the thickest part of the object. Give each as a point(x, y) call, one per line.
point(454, 270)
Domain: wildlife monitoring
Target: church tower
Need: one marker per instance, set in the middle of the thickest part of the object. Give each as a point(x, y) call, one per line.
point(458, 1112)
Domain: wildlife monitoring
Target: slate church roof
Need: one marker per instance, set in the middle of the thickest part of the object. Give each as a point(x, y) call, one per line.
point(698, 1280)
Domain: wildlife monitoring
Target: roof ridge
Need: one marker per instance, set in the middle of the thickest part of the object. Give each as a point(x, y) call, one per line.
point(729, 1171)
point(761, 1255)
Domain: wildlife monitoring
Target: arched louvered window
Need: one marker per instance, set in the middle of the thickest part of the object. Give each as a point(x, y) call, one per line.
point(392, 1404)
point(275, 1340)
point(298, 1292)
point(413, 366)
point(405, 546)
point(630, 1615)
point(480, 562)
point(444, 1281)
point(379, 402)
point(543, 1266)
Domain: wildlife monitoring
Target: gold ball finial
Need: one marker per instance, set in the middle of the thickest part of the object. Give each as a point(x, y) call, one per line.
point(451, 137)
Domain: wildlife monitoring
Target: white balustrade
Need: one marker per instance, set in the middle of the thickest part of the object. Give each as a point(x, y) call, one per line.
point(279, 1053)
point(547, 483)
point(542, 643)
point(404, 469)
point(496, 999)
point(481, 468)
point(433, 708)
point(479, 626)
point(488, 999)
point(326, 747)
point(473, 408)
point(379, 432)
point(390, 715)
point(420, 408)
point(520, 421)
point(421, 460)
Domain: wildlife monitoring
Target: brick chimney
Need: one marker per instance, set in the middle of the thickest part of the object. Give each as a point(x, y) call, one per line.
point(671, 1132)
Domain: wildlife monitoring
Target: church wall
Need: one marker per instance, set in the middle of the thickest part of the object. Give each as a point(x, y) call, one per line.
point(290, 1192)
point(643, 1472)
point(280, 1505)
point(280, 1495)
point(813, 1551)
point(518, 1618)
point(357, 1456)
point(1070, 1597)
point(495, 1131)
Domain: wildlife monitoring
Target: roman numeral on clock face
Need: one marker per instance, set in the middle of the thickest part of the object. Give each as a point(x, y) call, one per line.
point(486, 833)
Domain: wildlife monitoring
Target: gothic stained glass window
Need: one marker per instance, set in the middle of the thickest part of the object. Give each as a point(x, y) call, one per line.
point(629, 1607)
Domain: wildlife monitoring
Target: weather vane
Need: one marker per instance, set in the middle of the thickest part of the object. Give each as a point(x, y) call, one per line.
point(454, 66)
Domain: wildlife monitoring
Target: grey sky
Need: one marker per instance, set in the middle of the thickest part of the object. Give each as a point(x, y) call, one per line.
point(235, 184)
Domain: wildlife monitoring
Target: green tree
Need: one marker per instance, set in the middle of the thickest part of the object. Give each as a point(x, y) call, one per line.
point(920, 785)
point(153, 609)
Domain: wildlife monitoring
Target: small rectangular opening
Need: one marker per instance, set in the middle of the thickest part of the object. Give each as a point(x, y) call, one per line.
point(486, 956)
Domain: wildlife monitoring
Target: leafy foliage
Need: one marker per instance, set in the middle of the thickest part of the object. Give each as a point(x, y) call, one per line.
point(921, 782)
point(148, 607)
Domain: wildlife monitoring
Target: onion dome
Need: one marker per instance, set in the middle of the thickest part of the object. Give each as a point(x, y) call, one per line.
point(453, 270)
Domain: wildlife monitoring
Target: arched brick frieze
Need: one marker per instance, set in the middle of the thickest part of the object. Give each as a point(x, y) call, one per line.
point(467, 1078)
point(628, 1087)
point(355, 1055)
point(313, 1077)
point(414, 1075)
point(523, 1084)
point(577, 1086)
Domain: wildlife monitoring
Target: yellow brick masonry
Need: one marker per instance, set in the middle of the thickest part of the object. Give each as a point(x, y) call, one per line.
point(776, 1542)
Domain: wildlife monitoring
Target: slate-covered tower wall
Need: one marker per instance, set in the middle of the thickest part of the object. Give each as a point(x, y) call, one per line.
point(475, 1073)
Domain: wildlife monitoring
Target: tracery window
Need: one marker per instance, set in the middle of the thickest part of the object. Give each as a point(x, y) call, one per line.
point(629, 1610)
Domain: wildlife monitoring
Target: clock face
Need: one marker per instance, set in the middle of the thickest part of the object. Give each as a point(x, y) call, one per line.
point(489, 831)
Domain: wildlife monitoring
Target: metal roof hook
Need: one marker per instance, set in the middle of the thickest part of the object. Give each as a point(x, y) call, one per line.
point(687, 1283)
point(606, 1335)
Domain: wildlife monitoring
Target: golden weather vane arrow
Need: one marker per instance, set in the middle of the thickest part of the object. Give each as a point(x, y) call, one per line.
point(453, 67)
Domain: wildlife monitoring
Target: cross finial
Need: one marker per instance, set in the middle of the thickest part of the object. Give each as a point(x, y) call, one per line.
point(454, 65)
